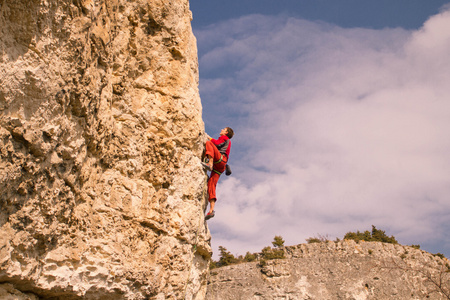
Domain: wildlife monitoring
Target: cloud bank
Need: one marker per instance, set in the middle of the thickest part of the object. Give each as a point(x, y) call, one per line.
point(336, 130)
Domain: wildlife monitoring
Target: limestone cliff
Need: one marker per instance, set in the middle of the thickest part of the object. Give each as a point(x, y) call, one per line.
point(341, 270)
point(102, 191)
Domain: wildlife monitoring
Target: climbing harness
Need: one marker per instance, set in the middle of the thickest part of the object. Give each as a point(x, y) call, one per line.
point(217, 172)
point(220, 159)
point(216, 162)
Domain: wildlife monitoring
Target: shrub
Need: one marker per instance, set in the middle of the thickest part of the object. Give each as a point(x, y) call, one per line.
point(262, 262)
point(439, 255)
point(318, 239)
point(375, 236)
point(270, 253)
point(278, 241)
point(212, 264)
point(313, 240)
point(249, 257)
point(226, 258)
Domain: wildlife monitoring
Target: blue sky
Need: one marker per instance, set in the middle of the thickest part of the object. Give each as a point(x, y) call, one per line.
point(408, 14)
point(341, 112)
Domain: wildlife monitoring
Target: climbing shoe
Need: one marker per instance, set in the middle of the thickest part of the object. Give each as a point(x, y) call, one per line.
point(206, 166)
point(210, 215)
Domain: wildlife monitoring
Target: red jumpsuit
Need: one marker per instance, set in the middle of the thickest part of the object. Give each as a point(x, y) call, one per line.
point(220, 159)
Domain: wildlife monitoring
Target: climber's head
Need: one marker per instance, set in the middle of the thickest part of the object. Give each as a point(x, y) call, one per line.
point(229, 132)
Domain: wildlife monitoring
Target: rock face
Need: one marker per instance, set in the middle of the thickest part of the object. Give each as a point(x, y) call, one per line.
point(102, 191)
point(342, 270)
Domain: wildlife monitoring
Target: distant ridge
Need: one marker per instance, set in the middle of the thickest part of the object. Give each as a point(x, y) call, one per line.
point(336, 270)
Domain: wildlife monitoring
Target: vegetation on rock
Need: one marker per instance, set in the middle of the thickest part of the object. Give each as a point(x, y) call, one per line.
point(278, 241)
point(376, 235)
point(278, 249)
point(267, 253)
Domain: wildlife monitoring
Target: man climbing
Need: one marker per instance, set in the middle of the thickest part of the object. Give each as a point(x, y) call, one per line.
point(216, 156)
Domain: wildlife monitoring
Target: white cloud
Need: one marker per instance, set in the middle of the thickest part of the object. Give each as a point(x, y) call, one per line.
point(336, 129)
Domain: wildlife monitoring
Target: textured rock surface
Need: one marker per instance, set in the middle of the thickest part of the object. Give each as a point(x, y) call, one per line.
point(102, 192)
point(343, 270)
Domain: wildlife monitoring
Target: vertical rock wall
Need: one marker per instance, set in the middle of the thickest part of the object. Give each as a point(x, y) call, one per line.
point(102, 192)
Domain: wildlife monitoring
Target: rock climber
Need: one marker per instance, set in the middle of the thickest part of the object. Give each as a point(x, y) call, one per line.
point(216, 158)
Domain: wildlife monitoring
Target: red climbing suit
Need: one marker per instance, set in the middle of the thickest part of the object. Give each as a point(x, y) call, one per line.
point(220, 161)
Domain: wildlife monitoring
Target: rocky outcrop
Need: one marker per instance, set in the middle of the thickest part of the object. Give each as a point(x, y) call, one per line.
point(336, 270)
point(102, 191)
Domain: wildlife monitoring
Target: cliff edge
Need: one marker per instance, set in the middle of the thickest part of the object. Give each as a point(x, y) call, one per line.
point(102, 191)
